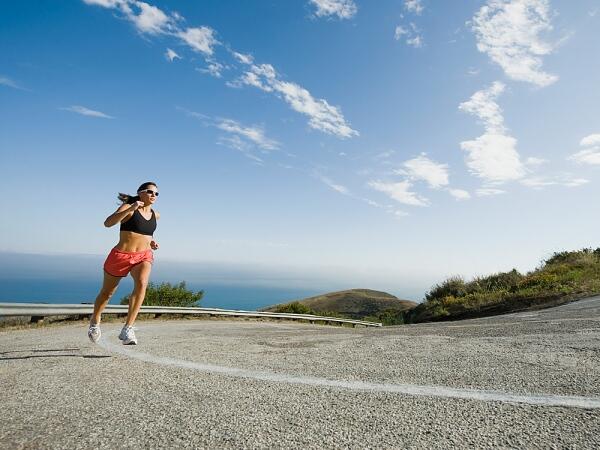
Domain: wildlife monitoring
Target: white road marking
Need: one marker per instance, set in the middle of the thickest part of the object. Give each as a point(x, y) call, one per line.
point(408, 389)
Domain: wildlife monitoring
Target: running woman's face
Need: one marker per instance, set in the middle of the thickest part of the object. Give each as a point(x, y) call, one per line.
point(149, 195)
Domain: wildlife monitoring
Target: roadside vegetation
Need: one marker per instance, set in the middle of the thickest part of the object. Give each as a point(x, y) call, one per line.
point(299, 308)
point(563, 277)
point(389, 317)
point(166, 294)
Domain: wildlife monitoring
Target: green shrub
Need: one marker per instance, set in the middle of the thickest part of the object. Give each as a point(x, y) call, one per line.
point(583, 256)
point(166, 294)
point(294, 308)
point(499, 281)
point(541, 280)
point(453, 286)
point(329, 314)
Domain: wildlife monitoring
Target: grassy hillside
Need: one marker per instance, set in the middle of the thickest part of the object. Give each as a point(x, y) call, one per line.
point(353, 303)
point(563, 277)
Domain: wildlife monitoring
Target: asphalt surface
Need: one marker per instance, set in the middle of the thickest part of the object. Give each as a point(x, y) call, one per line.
point(527, 380)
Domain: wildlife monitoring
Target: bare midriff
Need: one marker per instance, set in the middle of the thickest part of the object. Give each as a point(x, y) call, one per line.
point(133, 242)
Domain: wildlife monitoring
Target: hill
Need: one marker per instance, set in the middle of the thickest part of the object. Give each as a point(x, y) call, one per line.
point(364, 304)
point(562, 278)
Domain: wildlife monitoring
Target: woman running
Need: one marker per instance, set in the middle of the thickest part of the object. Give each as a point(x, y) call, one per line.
point(132, 254)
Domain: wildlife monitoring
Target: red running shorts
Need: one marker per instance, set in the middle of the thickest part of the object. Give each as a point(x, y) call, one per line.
point(118, 263)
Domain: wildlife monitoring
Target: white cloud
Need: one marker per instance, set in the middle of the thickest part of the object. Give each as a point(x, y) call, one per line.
point(574, 182)
point(400, 192)
point(253, 134)
point(202, 117)
point(236, 143)
point(200, 39)
point(412, 34)
point(535, 162)
point(485, 192)
point(253, 79)
point(592, 139)
point(171, 55)
point(459, 194)
point(86, 112)
point(105, 3)
point(240, 137)
point(589, 155)
point(150, 19)
point(493, 155)
point(561, 180)
point(384, 155)
point(345, 191)
point(483, 105)
point(336, 187)
point(146, 18)
point(5, 81)
point(344, 9)
point(413, 6)
point(423, 168)
point(214, 68)
point(416, 41)
point(400, 31)
point(322, 116)
point(509, 32)
point(243, 58)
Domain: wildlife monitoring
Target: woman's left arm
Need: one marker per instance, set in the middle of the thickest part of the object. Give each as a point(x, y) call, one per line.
point(153, 244)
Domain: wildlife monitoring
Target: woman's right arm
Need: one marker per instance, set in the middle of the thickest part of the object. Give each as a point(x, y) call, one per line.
point(122, 212)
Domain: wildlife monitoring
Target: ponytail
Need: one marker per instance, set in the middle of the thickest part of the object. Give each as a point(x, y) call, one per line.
point(126, 198)
point(130, 199)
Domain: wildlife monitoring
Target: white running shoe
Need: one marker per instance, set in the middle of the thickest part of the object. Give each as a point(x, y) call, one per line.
point(94, 333)
point(127, 335)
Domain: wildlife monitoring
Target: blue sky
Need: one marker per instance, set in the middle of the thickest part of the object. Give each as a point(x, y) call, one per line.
point(387, 144)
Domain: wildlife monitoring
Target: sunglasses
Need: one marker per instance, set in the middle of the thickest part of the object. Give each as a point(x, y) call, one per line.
point(149, 192)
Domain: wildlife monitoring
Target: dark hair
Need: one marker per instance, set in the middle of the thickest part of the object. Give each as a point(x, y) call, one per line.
point(129, 199)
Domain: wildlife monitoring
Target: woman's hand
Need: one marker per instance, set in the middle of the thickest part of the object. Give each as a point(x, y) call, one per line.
point(135, 206)
point(154, 245)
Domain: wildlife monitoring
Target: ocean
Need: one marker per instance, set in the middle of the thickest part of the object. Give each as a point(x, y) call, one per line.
point(38, 278)
point(84, 291)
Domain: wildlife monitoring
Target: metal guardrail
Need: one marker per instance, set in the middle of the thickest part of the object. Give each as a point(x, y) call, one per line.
point(38, 311)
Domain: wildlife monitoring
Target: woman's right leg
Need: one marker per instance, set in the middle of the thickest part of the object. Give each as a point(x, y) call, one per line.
point(109, 286)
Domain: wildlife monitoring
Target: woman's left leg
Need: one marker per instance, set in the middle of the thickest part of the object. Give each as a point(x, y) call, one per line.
point(141, 275)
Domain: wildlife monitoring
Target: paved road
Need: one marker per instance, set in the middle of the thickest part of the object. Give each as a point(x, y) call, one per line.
point(527, 380)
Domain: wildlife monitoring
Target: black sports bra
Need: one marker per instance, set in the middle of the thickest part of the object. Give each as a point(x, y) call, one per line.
point(139, 224)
